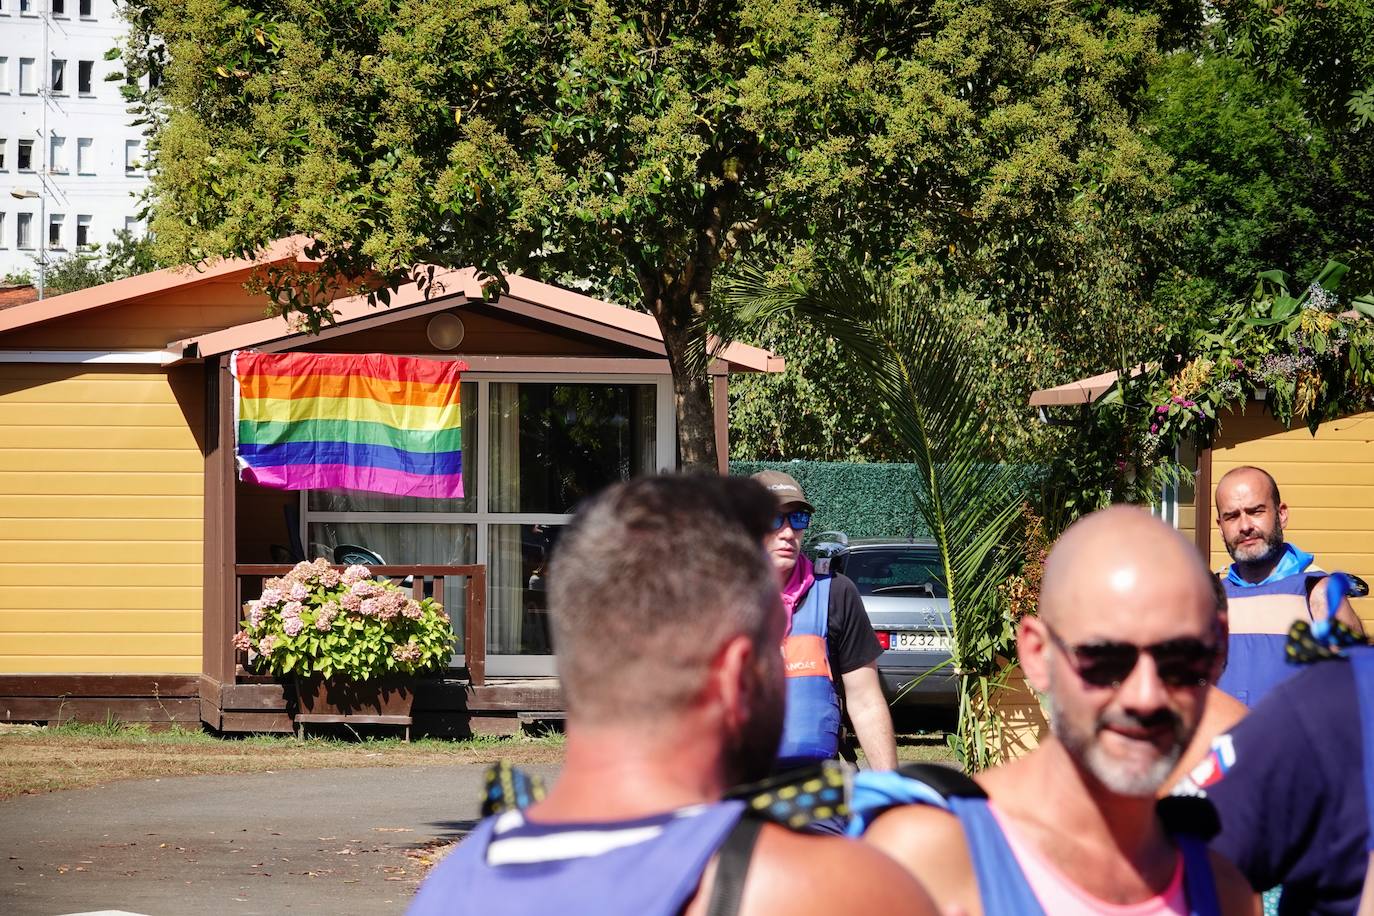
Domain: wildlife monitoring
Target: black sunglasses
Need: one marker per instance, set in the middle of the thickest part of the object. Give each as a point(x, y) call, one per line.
point(1185, 662)
point(798, 520)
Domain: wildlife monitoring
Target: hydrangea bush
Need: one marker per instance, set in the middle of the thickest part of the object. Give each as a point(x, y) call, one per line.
point(318, 620)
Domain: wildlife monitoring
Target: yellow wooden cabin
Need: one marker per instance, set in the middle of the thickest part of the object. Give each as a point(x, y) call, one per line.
point(126, 541)
point(1326, 478)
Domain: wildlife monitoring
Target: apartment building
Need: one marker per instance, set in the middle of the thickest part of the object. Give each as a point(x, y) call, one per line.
point(71, 167)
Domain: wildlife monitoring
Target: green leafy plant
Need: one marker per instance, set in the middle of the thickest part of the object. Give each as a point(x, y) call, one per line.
point(909, 359)
point(318, 620)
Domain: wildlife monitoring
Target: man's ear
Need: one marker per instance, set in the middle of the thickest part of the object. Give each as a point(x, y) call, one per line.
point(1032, 648)
point(1283, 515)
point(732, 677)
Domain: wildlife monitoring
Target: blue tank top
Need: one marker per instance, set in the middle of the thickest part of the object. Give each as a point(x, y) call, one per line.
point(509, 866)
point(811, 726)
point(1260, 616)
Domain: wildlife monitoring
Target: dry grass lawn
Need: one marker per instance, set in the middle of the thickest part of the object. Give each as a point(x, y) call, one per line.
point(34, 760)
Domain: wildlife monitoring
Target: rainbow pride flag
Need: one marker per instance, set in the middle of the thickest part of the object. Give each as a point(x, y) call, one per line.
point(386, 424)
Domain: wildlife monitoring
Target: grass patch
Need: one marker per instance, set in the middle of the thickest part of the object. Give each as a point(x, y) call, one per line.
point(80, 755)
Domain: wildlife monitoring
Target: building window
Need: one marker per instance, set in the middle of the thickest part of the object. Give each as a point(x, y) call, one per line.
point(131, 163)
point(4, 74)
point(2, 230)
point(25, 230)
point(86, 8)
point(26, 81)
point(85, 156)
point(58, 7)
point(57, 154)
point(3, 163)
point(83, 230)
point(132, 227)
point(26, 7)
point(84, 71)
point(25, 159)
point(55, 230)
point(57, 85)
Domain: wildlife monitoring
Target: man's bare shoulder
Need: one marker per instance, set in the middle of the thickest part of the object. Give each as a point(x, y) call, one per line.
point(1234, 893)
point(929, 842)
point(804, 874)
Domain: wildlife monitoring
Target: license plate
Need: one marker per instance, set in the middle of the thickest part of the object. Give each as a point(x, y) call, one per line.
point(919, 641)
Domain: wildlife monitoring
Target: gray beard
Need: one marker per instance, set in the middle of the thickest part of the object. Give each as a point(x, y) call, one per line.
point(1085, 749)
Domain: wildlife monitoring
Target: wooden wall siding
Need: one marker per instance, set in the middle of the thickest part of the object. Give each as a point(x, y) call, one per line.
point(483, 334)
point(149, 324)
point(100, 520)
point(1327, 482)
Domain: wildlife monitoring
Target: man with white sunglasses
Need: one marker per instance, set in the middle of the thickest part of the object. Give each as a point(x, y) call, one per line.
point(830, 650)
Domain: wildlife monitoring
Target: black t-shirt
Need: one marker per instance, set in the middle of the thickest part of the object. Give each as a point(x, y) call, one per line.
point(1288, 784)
point(850, 638)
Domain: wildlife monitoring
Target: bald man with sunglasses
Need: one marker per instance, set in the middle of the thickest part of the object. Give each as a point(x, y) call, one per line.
point(830, 650)
point(1123, 651)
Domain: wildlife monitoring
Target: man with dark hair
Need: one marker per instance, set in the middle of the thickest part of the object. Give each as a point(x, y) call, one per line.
point(1123, 650)
point(667, 623)
point(830, 648)
point(1269, 584)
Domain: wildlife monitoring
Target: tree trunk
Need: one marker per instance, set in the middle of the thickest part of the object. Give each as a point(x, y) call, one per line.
point(678, 304)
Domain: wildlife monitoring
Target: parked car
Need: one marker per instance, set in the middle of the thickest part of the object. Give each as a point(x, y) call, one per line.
point(900, 582)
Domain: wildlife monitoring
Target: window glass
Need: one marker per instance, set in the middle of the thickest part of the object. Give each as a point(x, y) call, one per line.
point(85, 159)
point(55, 221)
point(898, 571)
point(86, 7)
point(57, 155)
point(83, 230)
point(518, 616)
point(3, 163)
point(59, 7)
point(84, 71)
point(554, 444)
point(131, 163)
point(25, 158)
point(358, 501)
point(4, 74)
point(26, 80)
point(59, 73)
point(24, 236)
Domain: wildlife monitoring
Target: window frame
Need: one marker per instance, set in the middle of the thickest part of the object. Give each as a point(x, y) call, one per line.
point(18, 155)
point(665, 437)
point(23, 221)
point(89, 66)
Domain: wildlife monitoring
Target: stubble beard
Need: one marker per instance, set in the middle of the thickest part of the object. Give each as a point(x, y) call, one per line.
point(1268, 550)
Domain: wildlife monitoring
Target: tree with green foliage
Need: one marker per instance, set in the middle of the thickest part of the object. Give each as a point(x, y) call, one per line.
point(125, 256)
point(642, 147)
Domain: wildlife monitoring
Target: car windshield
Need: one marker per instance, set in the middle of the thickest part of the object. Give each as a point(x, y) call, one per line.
point(896, 571)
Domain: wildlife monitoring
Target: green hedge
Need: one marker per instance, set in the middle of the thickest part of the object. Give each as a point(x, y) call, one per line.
point(862, 500)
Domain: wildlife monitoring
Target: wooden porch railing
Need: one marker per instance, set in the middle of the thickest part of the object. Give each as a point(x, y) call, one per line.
point(428, 582)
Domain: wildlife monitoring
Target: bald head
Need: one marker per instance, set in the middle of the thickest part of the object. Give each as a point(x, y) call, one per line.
point(1115, 557)
point(1257, 479)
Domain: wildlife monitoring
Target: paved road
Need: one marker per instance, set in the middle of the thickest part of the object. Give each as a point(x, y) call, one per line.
point(304, 841)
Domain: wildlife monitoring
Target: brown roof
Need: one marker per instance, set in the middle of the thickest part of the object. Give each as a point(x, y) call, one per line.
point(158, 281)
point(11, 296)
point(450, 287)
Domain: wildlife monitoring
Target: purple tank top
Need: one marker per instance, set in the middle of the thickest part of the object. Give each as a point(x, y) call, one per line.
point(509, 866)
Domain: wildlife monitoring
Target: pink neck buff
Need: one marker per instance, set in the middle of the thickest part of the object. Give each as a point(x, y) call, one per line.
point(803, 576)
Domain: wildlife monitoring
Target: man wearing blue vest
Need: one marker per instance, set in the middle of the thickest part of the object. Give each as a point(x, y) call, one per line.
point(1125, 645)
point(1269, 584)
point(666, 622)
point(830, 649)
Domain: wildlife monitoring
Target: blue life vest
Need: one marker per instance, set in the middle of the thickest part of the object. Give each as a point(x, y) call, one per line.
point(1002, 885)
point(811, 727)
point(1260, 616)
point(510, 867)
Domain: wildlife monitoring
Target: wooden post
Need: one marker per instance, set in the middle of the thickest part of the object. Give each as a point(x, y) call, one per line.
point(721, 409)
point(475, 628)
point(1202, 503)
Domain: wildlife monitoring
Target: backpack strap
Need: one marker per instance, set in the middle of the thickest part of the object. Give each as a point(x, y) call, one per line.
point(798, 797)
point(1189, 815)
point(1362, 665)
point(732, 866)
point(1199, 883)
point(873, 793)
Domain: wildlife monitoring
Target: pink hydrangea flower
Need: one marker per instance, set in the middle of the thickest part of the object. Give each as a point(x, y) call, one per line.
point(412, 609)
point(292, 626)
point(256, 613)
point(355, 573)
point(351, 602)
point(366, 589)
point(324, 622)
point(266, 643)
point(297, 592)
point(272, 597)
point(242, 642)
point(291, 610)
point(372, 607)
point(410, 652)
